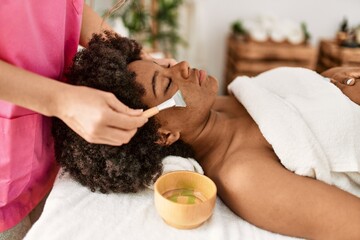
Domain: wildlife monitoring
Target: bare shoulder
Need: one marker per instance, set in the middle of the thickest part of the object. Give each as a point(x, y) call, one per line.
point(260, 190)
point(243, 167)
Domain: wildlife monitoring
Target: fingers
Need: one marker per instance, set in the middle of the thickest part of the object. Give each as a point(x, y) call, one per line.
point(166, 61)
point(124, 121)
point(114, 129)
point(350, 82)
point(123, 117)
point(144, 55)
point(346, 82)
point(115, 137)
point(121, 123)
point(119, 107)
point(354, 74)
point(110, 136)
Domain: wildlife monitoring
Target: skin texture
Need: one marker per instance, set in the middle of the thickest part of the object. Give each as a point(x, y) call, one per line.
point(226, 141)
point(126, 168)
point(97, 116)
point(233, 152)
point(340, 76)
point(165, 85)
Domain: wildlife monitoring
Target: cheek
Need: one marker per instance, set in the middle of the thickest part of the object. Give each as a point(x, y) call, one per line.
point(179, 118)
point(214, 85)
point(200, 98)
point(170, 120)
point(198, 104)
point(150, 101)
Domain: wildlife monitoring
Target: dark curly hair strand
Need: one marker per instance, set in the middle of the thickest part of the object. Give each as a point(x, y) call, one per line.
point(130, 167)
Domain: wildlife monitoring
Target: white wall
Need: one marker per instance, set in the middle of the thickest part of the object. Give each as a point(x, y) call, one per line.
point(322, 17)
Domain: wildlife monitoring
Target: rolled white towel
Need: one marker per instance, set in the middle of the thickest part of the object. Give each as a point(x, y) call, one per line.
point(176, 163)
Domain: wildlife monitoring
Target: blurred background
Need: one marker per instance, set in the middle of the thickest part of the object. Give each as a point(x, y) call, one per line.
point(233, 37)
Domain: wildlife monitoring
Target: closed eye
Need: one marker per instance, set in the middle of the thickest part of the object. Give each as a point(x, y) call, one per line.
point(168, 86)
point(169, 83)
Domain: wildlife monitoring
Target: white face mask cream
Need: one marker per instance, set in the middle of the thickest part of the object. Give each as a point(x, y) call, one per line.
point(175, 101)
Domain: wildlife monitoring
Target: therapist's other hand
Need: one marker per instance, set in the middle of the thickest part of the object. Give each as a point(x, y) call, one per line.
point(98, 116)
point(347, 79)
point(160, 61)
point(165, 61)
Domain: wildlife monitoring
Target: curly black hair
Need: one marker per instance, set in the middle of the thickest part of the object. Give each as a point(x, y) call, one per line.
point(104, 168)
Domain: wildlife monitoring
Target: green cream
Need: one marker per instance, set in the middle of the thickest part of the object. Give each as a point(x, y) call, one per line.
point(184, 196)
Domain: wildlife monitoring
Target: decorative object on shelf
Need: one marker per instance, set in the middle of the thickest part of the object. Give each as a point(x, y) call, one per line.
point(153, 22)
point(269, 28)
point(252, 57)
point(331, 54)
point(348, 36)
point(357, 35)
point(238, 30)
point(265, 42)
point(343, 50)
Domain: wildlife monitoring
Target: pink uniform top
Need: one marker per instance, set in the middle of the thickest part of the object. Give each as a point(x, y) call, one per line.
point(40, 36)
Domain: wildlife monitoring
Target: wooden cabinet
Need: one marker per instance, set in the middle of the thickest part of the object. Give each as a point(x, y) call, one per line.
point(246, 57)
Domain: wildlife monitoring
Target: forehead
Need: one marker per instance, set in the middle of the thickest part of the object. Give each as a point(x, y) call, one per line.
point(143, 68)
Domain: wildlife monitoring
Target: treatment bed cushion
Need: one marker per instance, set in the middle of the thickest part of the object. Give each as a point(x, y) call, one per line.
point(312, 108)
point(72, 211)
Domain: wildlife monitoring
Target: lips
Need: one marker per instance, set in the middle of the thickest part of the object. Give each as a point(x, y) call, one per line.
point(202, 75)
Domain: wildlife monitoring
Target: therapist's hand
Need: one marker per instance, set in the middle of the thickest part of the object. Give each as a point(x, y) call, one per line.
point(160, 61)
point(97, 116)
point(347, 79)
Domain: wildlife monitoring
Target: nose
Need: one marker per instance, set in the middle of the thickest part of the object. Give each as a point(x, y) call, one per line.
point(183, 68)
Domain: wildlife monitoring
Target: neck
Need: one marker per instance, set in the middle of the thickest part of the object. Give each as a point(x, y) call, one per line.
point(226, 125)
point(211, 136)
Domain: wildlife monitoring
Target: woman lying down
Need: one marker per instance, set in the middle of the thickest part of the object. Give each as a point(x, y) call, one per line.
point(282, 158)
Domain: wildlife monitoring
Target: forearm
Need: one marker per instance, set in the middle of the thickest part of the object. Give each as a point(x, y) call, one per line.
point(91, 23)
point(29, 90)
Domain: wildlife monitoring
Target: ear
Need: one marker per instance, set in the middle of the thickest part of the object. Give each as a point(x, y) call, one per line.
point(167, 137)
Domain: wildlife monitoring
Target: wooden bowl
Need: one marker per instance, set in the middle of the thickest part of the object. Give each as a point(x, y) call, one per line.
point(184, 199)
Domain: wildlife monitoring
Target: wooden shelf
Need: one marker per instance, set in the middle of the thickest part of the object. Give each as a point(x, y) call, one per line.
point(333, 55)
point(246, 57)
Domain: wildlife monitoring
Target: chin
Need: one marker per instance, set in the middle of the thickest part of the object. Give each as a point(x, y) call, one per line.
point(214, 84)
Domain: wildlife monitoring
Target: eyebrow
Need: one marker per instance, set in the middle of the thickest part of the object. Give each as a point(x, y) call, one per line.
point(153, 82)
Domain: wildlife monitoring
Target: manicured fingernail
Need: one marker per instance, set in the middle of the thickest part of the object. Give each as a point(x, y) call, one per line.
point(137, 111)
point(350, 81)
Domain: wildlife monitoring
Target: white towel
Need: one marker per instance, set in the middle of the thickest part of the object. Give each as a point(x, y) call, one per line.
point(313, 128)
point(176, 163)
point(72, 211)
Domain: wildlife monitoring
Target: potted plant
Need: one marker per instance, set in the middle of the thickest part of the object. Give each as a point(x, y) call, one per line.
point(153, 23)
